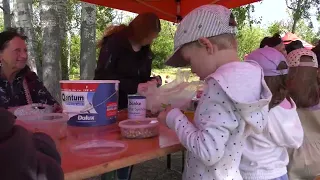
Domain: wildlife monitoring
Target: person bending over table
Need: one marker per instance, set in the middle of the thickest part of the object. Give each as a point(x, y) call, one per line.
point(18, 84)
point(125, 55)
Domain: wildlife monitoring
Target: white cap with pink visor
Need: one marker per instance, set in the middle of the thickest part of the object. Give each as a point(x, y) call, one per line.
point(293, 58)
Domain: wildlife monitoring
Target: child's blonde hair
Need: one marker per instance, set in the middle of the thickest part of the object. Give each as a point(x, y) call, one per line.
point(223, 41)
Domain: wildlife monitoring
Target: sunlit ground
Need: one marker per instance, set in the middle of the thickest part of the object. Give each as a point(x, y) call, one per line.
point(167, 75)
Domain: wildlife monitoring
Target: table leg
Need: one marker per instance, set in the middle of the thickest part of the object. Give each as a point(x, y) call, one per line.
point(183, 158)
point(109, 176)
point(169, 161)
point(130, 173)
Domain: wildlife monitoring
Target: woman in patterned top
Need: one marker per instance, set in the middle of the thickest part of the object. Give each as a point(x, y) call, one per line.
point(17, 81)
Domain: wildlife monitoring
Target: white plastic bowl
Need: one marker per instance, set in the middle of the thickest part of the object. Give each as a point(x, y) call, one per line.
point(139, 129)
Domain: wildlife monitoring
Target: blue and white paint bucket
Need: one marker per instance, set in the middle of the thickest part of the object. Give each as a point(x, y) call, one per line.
point(90, 102)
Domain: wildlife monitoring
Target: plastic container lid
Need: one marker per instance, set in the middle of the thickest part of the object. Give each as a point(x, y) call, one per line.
point(44, 118)
point(32, 109)
point(88, 81)
point(99, 148)
point(139, 123)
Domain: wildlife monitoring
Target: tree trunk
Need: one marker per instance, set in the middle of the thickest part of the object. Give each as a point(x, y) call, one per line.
point(23, 10)
point(294, 26)
point(297, 15)
point(6, 14)
point(88, 41)
point(51, 48)
point(69, 51)
point(62, 10)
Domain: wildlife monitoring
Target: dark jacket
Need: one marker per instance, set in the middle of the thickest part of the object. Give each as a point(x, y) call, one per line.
point(316, 50)
point(118, 61)
point(12, 95)
point(26, 156)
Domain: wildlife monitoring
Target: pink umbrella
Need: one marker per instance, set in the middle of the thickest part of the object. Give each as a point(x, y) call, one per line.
point(289, 37)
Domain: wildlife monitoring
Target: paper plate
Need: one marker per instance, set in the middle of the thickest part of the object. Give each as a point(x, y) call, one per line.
point(99, 148)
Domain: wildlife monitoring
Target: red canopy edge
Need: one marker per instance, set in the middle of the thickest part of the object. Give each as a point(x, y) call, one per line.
point(165, 9)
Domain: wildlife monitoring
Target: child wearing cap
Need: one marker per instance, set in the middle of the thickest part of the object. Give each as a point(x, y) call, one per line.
point(234, 101)
point(303, 88)
point(265, 156)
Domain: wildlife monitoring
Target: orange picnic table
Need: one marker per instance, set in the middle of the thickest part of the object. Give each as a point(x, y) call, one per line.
point(139, 150)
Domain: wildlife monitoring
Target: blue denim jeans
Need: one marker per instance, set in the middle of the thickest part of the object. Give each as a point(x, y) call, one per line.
point(284, 177)
point(120, 174)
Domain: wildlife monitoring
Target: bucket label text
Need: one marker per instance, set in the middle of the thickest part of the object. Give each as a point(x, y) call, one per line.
point(85, 118)
point(73, 100)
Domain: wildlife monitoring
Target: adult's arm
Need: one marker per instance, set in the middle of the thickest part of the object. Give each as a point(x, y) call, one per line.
point(146, 73)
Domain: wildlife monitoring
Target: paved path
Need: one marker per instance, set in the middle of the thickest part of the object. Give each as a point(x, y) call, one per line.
point(157, 169)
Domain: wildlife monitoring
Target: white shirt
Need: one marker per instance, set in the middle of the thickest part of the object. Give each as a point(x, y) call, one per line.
point(231, 106)
point(265, 156)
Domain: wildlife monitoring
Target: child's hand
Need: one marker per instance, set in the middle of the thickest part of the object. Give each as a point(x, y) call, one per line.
point(163, 115)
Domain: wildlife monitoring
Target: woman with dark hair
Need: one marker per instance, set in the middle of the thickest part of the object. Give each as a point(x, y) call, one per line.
point(316, 50)
point(268, 150)
point(304, 90)
point(18, 84)
point(126, 56)
point(293, 45)
point(275, 42)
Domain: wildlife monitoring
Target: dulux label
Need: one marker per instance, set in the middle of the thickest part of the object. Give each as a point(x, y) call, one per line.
point(85, 118)
point(136, 107)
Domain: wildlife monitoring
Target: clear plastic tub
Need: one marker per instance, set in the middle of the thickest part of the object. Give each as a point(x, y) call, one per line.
point(33, 109)
point(53, 124)
point(139, 129)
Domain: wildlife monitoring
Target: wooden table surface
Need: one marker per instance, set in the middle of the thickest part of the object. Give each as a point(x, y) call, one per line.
point(79, 167)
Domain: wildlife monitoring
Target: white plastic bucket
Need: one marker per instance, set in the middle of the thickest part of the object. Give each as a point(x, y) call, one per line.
point(90, 102)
